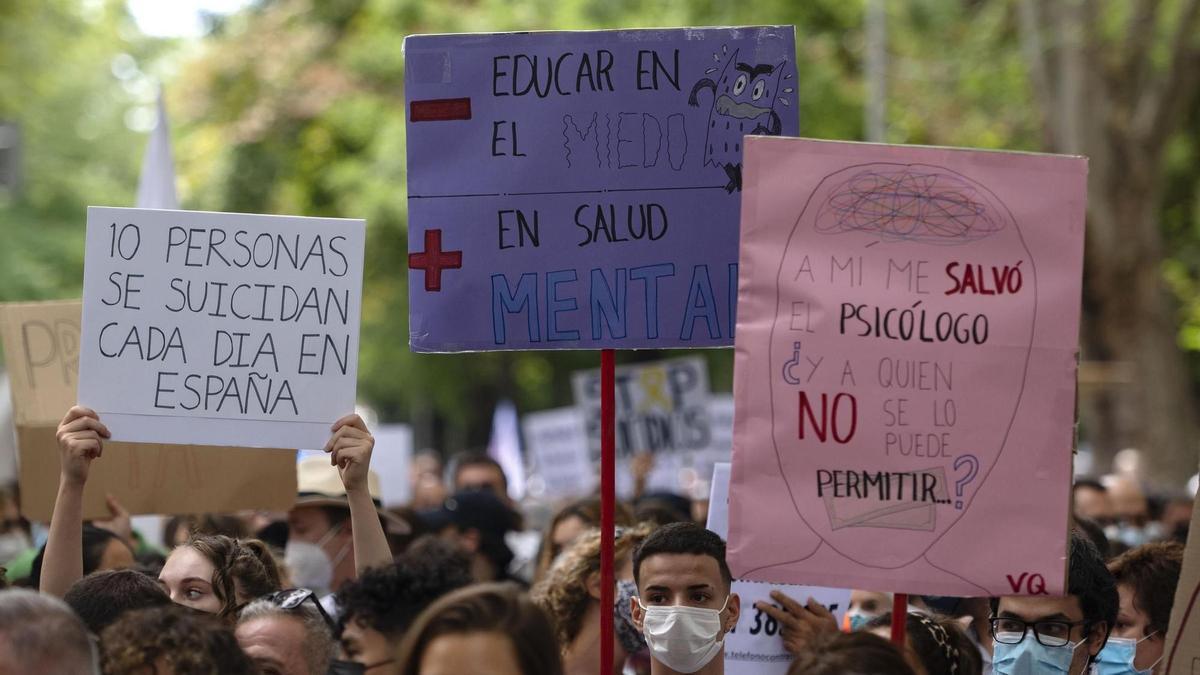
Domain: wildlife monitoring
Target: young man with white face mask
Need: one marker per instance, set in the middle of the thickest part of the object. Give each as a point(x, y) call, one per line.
point(1046, 635)
point(685, 605)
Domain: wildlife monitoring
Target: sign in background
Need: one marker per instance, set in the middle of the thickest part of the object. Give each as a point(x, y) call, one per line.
point(1182, 653)
point(220, 328)
point(661, 407)
point(41, 350)
point(560, 455)
point(558, 452)
point(573, 190)
point(905, 367)
point(755, 645)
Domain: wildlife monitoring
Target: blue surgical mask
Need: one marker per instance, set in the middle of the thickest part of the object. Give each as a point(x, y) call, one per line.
point(858, 620)
point(1117, 657)
point(1030, 657)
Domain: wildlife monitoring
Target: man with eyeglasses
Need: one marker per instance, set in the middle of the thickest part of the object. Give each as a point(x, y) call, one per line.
point(284, 635)
point(1057, 635)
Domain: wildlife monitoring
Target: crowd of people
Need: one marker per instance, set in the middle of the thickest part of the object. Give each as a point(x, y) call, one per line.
point(341, 585)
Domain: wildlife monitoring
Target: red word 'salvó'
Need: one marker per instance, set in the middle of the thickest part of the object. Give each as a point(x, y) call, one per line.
point(1004, 280)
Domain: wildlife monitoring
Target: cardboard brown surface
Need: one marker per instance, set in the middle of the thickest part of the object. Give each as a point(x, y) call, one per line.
point(41, 346)
point(1182, 655)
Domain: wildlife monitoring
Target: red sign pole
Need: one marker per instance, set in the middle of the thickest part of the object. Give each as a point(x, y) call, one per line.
point(607, 505)
point(899, 618)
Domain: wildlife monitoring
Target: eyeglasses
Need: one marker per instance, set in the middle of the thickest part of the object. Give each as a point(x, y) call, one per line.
point(1048, 633)
point(294, 597)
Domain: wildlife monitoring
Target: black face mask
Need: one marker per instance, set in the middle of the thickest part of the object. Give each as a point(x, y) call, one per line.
point(347, 668)
point(353, 667)
point(945, 604)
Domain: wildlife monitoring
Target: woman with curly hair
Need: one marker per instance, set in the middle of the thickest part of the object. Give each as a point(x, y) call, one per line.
point(567, 524)
point(172, 639)
point(570, 594)
point(219, 574)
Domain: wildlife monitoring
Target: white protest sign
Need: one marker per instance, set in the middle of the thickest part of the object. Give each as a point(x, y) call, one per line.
point(718, 501)
point(755, 644)
point(662, 407)
point(392, 460)
point(558, 448)
point(220, 328)
point(720, 446)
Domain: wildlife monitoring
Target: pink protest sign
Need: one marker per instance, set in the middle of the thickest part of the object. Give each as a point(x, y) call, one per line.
point(905, 367)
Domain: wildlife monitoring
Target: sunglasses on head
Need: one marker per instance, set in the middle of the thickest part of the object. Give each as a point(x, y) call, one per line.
point(292, 598)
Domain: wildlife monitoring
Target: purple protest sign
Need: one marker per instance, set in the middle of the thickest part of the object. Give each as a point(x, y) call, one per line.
point(581, 190)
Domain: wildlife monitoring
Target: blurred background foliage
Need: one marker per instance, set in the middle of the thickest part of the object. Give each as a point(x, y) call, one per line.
point(297, 106)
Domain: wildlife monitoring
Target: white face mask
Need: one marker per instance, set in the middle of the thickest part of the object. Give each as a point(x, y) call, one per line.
point(683, 638)
point(328, 537)
point(12, 544)
point(309, 565)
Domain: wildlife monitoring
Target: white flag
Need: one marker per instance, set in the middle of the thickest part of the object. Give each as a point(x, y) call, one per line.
point(156, 187)
point(505, 447)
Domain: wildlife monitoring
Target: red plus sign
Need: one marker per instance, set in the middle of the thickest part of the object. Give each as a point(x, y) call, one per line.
point(433, 260)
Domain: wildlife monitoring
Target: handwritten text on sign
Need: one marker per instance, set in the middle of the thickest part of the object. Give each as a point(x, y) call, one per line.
point(908, 331)
point(220, 328)
point(572, 190)
point(662, 407)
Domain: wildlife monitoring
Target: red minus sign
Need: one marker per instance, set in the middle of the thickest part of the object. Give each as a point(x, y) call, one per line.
point(440, 110)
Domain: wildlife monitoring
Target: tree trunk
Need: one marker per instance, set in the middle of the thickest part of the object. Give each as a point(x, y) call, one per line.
point(1107, 101)
point(1134, 321)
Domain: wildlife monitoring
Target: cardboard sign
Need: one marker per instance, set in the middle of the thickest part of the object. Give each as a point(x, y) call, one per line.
point(1182, 652)
point(220, 328)
point(41, 347)
point(755, 644)
point(905, 367)
point(662, 407)
point(579, 190)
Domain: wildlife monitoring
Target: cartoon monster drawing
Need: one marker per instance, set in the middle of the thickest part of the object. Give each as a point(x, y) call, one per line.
point(743, 103)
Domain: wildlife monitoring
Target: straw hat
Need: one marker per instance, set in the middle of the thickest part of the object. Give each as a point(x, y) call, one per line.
point(318, 483)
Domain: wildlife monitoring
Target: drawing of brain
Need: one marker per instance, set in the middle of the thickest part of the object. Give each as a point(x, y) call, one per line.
point(901, 203)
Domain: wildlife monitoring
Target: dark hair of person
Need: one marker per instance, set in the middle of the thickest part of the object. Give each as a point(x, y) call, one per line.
point(682, 538)
point(662, 508)
point(498, 608)
point(1089, 483)
point(246, 568)
point(1090, 582)
point(586, 510)
point(102, 597)
point(1092, 530)
point(188, 641)
point(938, 642)
point(1151, 572)
point(388, 599)
point(846, 653)
point(204, 523)
point(95, 541)
point(336, 514)
point(464, 459)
